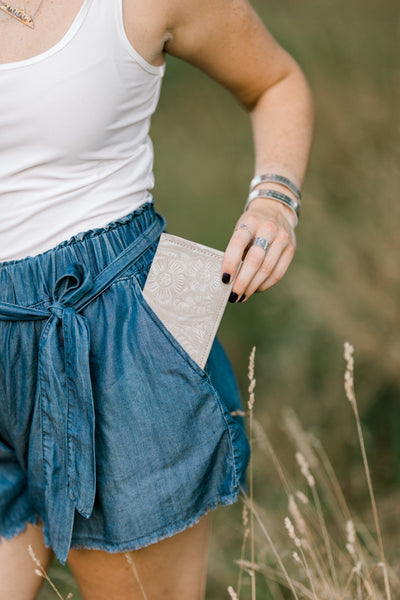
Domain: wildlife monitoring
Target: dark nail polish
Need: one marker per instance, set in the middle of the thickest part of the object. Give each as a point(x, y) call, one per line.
point(226, 278)
point(242, 297)
point(233, 297)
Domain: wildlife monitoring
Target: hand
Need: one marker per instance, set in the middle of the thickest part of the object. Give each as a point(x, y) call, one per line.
point(272, 221)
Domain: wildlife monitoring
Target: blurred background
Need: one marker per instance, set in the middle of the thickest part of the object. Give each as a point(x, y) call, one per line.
point(344, 283)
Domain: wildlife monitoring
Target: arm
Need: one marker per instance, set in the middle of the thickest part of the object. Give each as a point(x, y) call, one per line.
point(227, 40)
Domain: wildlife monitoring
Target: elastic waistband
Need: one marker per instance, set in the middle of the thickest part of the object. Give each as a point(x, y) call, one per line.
point(27, 281)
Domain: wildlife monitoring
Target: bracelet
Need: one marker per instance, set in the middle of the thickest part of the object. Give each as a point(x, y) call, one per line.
point(273, 178)
point(274, 195)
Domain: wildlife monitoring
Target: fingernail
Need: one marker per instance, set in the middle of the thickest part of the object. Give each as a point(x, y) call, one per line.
point(233, 297)
point(242, 297)
point(226, 278)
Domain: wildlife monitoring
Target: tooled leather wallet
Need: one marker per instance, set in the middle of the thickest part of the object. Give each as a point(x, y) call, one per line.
point(184, 288)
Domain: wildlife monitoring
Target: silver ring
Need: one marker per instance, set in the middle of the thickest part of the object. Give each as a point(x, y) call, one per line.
point(246, 227)
point(262, 242)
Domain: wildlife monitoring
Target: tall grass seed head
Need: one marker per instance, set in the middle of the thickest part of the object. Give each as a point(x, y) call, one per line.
point(305, 469)
point(296, 515)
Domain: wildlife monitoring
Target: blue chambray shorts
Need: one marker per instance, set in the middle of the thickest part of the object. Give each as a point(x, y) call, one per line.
point(110, 434)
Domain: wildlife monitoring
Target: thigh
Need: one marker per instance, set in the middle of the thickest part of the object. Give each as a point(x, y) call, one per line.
point(172, 568)
point(17, 569)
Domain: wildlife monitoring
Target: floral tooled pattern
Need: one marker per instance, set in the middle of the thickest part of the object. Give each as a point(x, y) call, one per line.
point(167, 280)
point(203, 277)
point(184, 289)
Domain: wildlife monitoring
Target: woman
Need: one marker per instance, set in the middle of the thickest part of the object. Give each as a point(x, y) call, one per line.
point(95, 459)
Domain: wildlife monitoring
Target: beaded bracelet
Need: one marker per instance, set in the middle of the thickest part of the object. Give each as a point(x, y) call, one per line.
point(274, 195)
point(273, 178)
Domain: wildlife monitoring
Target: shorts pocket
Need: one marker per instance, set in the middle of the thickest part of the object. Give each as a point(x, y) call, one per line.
point(166, 439)
point(233, 425)
point(175, 344)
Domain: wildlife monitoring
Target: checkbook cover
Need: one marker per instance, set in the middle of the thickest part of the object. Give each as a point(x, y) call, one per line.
point(185, 290)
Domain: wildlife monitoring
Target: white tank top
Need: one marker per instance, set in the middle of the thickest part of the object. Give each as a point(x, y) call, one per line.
point(75, 153)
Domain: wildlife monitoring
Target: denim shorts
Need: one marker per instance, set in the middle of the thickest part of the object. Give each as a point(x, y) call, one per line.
point(110, 434)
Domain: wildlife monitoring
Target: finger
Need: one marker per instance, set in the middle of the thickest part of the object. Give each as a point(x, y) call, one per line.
point(239, 243)
point(279, 271)
point(235, 250)
point(252, 262)
point(278, 257)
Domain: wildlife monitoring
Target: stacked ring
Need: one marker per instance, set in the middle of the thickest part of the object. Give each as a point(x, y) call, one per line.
point(262, 242)
point(246, 227)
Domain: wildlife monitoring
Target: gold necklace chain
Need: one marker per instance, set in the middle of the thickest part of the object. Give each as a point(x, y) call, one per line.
point(19, 13)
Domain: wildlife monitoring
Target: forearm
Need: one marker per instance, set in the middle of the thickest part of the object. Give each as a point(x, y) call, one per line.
point(282, 124)
point(282, 121)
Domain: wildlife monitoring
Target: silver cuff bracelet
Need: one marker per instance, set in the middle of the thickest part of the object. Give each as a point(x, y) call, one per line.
point(274, 195)
point(273, 178)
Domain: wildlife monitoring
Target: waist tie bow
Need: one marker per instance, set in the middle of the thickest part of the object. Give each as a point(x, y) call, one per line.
point(65, 456)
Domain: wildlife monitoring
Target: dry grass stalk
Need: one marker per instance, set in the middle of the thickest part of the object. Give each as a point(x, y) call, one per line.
point(232, 593)
point(331, 480)
point(303, 560)
point(329, 568)
point(305, 470)
point(273, 547)
point(246, 532)
point(132, 565)
point(250, 405)
point(349, 389)
point(311, 448)
point(307, 542)
point(294, 430)
point(334, 493)
point(265, 444)
point(41, 572)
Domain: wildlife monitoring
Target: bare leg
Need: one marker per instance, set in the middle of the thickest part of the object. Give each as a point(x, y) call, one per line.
point(17, 569)
point(172, 569)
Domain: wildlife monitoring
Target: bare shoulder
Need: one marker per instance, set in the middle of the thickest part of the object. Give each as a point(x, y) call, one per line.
point(224, 38)
point(227, 40)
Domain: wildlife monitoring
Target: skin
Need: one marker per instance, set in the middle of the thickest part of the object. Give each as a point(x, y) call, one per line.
point(228, 41)
point(173, 568)
point(17, 570)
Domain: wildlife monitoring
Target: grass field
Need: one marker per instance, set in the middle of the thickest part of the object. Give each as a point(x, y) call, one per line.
point(344, 283)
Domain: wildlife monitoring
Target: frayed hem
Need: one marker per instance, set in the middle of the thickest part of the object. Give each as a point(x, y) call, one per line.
point(167, 532)
point(33, 520)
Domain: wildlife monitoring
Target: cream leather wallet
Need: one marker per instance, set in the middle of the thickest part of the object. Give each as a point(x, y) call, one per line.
point(184, 289)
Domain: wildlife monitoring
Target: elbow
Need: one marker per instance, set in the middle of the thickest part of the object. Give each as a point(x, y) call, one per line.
point(290, 87)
